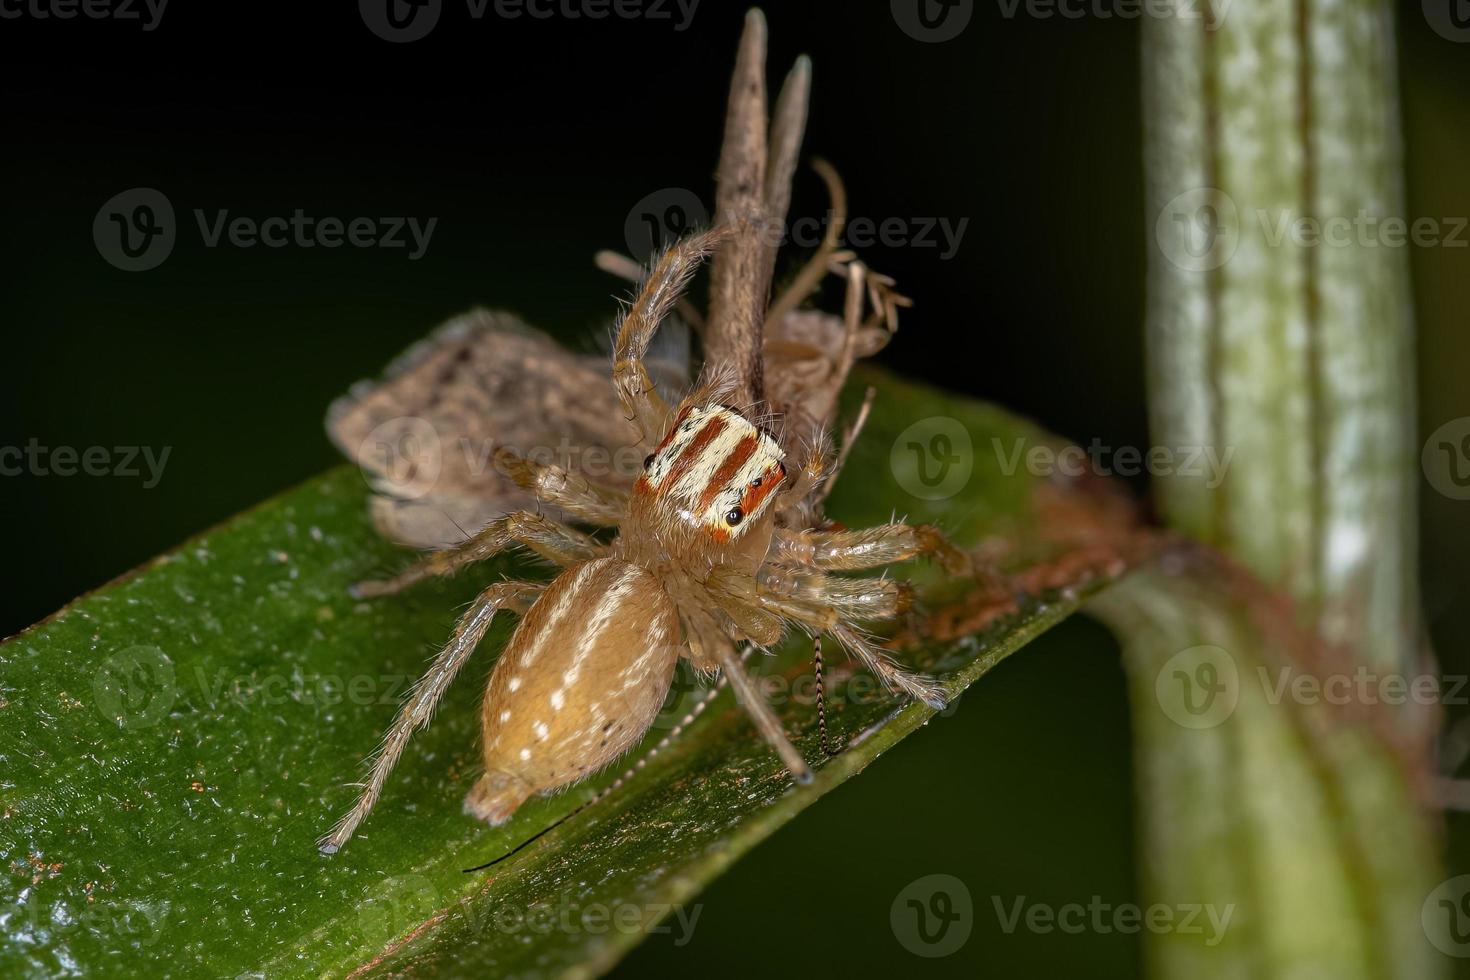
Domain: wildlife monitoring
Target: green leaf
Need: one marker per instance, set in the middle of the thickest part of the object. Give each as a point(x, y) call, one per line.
point(172, 744)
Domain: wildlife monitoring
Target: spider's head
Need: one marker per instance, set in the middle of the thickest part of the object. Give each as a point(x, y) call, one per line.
point(714, 472)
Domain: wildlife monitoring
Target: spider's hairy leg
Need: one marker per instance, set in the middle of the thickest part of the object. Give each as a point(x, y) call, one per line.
point(617, 264)
point(660, 292)
point(919, 686)
point(849, 438)
point(418, 708)
point(553, 541)
point(820, 617)
point(860, 599)
point(871, 547)
point(760, 712)
point(570, 492)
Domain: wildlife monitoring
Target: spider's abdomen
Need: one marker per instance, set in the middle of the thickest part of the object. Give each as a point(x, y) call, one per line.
point(580, 681)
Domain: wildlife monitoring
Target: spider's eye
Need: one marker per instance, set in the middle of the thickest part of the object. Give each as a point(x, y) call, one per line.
point(756, 482)
point(735, 516)
point(648, 461)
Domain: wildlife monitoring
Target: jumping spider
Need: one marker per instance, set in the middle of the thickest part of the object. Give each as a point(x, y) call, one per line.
point(720, 541)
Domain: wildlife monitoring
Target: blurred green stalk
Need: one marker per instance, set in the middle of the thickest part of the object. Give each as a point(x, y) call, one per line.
point(1279, 324)
point(1280, 337)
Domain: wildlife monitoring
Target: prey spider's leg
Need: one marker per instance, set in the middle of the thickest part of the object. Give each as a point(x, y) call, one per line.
point(821, 698)
point(826, 392)
point(765, 719)
point(788, 126)
point(870, 547)
point(752, 196)
point(419, 706)
point(816, 268)
point(848, 438)
point(671, 273)
point(575, 494)
point(546, 537)
point(737, 302)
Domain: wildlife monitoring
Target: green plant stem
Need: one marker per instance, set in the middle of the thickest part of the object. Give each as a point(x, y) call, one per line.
point(1290, 345)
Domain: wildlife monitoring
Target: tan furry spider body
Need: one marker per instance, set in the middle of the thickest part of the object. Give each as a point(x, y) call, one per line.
point(705, 559)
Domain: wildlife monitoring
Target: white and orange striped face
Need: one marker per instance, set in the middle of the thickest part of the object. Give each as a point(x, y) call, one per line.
point(714, 470)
